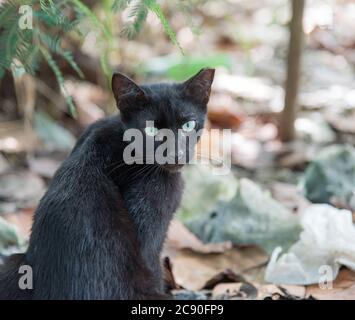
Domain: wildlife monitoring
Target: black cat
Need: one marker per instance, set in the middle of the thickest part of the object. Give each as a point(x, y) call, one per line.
point(99, 230)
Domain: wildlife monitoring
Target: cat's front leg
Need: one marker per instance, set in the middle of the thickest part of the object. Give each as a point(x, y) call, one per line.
point(155, 267)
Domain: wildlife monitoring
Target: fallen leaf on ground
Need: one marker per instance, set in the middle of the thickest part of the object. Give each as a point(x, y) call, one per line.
point(263, 221)
point(179, 237)
point(227, 275)
point(343, 288)
point(193, 270)
point(276, 292)
point(238, 291)
point(203, 191)
point(183, 294)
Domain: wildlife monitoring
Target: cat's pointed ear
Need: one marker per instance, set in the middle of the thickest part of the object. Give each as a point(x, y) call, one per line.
point(198, 87)
point(126, 91)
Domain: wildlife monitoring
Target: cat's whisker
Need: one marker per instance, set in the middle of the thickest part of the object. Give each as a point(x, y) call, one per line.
point(115, 168)
point(142, 171)
point(122, 163)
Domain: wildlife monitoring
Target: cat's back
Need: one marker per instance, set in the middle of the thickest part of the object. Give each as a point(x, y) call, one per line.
point(80, 194)
point(81, 180)
point(82, 220)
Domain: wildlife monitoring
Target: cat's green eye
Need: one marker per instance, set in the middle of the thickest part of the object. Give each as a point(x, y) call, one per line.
point(151, 131)
point(189, 126)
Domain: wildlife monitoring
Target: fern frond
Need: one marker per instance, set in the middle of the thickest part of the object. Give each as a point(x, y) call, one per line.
point(52, 42)
point(139, 14)
point(92, 16)
point(12, 37)
point(68, 56)
point(119, 5)
point(155, 7)
point(60, 79)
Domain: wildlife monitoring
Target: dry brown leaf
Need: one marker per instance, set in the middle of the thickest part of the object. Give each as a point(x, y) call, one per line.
point(242, 290)
point(297, 291)
point(331, 294)
point(343, 288)
point(245, 290)
point(223, 277)
point(192, 270)
point(179, 237)
point(229, 289)
point(274, 291)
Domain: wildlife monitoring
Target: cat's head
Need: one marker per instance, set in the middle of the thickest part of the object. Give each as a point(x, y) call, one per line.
point(168, 117)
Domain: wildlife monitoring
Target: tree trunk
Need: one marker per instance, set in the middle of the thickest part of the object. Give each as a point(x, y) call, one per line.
point(286, 127)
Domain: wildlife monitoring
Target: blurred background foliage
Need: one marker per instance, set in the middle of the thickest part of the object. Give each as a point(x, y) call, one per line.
point(54, 22)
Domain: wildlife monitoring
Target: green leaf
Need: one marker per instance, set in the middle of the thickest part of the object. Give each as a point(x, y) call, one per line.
point(155, 7)
point(58, 74)
point(119, 5)
point(179, 67)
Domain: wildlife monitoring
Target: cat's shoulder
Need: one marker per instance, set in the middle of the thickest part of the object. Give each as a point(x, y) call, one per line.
point(104, 129)
point(113, 122)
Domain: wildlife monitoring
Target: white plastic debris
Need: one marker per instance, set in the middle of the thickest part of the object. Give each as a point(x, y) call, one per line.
point(326, 242)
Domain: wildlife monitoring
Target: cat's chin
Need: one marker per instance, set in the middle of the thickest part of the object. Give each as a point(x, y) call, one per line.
point(172, 168)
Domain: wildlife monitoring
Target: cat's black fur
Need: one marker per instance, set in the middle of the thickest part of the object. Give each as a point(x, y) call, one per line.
point(99, 230)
